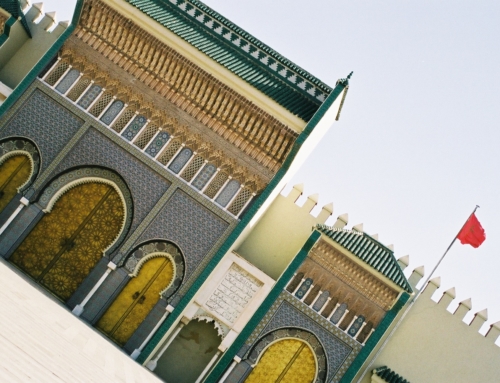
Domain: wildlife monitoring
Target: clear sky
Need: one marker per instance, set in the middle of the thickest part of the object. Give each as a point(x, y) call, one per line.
point(418, 142)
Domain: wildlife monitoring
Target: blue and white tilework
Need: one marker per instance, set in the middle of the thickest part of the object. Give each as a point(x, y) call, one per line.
point(304, 288)
point(45, 122)
point(131, 131)
point(320, 302)
point(190, 225)
point(111, 113)
point(180, 160)
point(205, 175)
point(157, 144)
point(89, 96)
point(337, 315)
point(67, 81)
point(228, 193)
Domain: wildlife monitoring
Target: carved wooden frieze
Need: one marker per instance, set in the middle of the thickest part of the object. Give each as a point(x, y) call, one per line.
point(354, 275)
point(233, 117)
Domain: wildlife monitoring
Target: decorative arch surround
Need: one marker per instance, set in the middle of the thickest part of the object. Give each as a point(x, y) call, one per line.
point(222, 330)
point(65, 182)
point(157, 248)
point(255, 353)
point(22, 146)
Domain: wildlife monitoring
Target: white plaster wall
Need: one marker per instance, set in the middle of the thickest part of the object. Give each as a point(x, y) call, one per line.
point(434, 346)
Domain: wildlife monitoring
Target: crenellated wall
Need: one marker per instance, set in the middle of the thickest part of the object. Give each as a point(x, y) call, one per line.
point(282, 231)
point(433, 345)
point(19, 53)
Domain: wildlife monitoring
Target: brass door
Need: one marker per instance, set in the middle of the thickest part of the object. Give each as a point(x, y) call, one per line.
point(14, 172)
point(68, 242)
point(136, 300)
point(286, 361)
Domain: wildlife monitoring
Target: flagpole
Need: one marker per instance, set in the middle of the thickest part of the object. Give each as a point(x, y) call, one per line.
point(446, 252)
point(407, 310)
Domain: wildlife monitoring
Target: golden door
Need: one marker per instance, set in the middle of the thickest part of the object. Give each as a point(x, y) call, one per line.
point(68, 242)
point(14, 172)
point(286, 361)
point(136, 300)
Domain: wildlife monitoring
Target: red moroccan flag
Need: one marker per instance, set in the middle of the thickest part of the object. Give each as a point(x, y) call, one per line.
point(472, 233)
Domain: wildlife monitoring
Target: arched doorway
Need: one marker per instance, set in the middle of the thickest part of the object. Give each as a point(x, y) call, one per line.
point(14, 172)
point(137, 299)
point(189, 353)
point(70, 239)
point(285, 361)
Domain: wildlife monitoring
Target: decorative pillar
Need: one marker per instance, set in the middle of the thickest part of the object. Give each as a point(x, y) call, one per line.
point(78, 310)
point(24, 202)
point(209, 366)
point(151, 365)
point(135, 354)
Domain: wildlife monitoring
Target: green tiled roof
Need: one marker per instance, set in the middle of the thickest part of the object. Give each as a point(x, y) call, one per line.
point(369, 250)
point(14, 8)
point(389, 376)
point(250, 59)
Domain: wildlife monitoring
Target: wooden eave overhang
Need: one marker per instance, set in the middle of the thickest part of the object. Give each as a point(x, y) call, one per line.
point(371, 252)
point(260, 66)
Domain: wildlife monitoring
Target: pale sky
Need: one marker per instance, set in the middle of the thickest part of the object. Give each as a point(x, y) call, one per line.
point(417, 144)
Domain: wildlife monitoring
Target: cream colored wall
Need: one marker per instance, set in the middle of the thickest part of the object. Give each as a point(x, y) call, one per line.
point(19, 54)
point(434, 346)
point(281, 232)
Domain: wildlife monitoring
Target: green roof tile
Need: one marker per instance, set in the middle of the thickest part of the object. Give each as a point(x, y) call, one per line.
point(389, 376)
point(247, 57)
point(369, 250)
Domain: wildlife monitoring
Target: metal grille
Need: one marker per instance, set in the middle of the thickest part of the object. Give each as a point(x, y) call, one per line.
point(123, 120)
point(240, 201)
point(56, 73)
point(169, 152)
point(216, 184)
point(193, 168)
point(146, 136)
point(101, 104)
point(78, 89)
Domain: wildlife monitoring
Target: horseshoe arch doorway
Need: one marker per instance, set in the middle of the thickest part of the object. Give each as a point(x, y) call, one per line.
point(72, 236)
point(141, 293)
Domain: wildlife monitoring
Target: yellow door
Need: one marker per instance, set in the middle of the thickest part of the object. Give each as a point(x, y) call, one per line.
point(14, 172)
point(286, 361)
point(68, 242)
point(136, 300)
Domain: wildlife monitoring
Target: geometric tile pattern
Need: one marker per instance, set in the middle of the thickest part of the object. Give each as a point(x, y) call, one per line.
point(286, 312)
point(228, 193)
point(49, 125)
point(304, 288)
point(188, 224)
point(146, 186)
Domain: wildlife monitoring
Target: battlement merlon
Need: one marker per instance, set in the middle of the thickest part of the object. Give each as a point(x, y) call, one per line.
point(26, 40)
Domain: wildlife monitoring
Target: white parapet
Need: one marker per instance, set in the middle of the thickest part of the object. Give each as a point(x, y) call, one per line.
point(479, 319)
point(448, 297)
point(404, 261)
point(463, 308)
point(416, 276)
point(342, 221)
